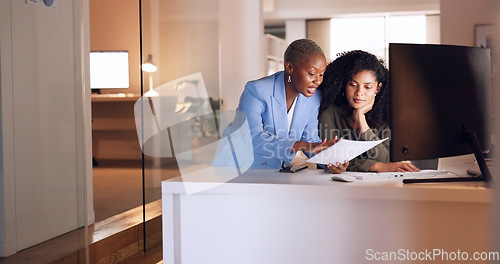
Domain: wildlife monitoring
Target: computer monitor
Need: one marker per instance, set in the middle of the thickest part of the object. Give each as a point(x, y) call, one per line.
point(440, 103)
point(109, 69)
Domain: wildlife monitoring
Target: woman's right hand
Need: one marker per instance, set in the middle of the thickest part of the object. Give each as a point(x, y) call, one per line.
point(400, 166)
point(359, 117)
point(313, 147)
point(323, 145)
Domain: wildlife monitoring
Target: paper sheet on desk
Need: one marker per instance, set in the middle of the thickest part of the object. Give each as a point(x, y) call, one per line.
point(343, 150)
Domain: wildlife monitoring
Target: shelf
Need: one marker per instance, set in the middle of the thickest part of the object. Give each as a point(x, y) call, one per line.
point(275, 49)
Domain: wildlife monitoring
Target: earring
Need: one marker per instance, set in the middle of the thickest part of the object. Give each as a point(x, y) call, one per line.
point(289, 78)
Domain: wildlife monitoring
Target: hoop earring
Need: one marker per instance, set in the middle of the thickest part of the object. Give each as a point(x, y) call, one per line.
point(289, 78)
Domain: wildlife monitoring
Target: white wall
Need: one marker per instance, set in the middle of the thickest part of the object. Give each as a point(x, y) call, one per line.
point(241, 47)
point(433, 34)
point(295, 29)
point(320, 9)
point(192, 36)
point(7, 179)
point(459, 18)
point(87, 113)
point(188, 34)
point(319, 31)
point(458, 21)
point(113, 28)
point(43, 173)
point(496, 203)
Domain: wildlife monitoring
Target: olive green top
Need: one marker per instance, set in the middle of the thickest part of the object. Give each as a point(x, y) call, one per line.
point(336, 121)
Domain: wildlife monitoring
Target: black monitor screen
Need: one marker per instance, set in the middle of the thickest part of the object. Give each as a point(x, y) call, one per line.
point(438, 92)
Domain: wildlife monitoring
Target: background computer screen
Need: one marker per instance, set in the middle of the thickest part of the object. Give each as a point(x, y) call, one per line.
point(437, 93)
point(109, 69)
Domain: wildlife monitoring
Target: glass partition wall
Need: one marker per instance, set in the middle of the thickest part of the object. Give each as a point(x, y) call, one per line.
point(179, 46)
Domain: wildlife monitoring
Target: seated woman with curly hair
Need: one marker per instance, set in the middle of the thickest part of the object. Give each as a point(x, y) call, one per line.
point(355, 106)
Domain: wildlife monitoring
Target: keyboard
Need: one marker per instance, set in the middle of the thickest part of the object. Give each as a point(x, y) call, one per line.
point(394, 175)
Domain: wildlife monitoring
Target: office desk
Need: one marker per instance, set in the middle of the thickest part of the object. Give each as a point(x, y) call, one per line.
point(114, 135)
point(264, 216)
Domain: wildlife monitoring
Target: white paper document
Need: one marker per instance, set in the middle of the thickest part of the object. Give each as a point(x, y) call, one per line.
point(343, 150)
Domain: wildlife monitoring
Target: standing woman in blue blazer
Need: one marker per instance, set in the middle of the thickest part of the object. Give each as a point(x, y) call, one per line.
point(282, 111)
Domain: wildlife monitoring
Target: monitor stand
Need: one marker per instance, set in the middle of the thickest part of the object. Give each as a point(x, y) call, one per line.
point(485, 171)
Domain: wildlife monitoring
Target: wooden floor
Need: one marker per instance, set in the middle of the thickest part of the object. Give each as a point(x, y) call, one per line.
point(117, 187)
point(115, 240)
point(116, 237)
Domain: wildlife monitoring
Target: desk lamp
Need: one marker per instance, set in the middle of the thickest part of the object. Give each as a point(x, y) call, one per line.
point(149, 67)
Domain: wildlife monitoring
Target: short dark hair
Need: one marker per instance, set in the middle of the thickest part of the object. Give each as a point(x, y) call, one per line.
point(341, 71)
point(295, 52)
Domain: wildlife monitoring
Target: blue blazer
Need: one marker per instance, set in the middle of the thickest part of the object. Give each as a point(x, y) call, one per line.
point(263, 104)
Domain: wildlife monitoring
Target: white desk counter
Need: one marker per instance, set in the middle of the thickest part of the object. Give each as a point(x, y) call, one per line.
point(264, 216)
